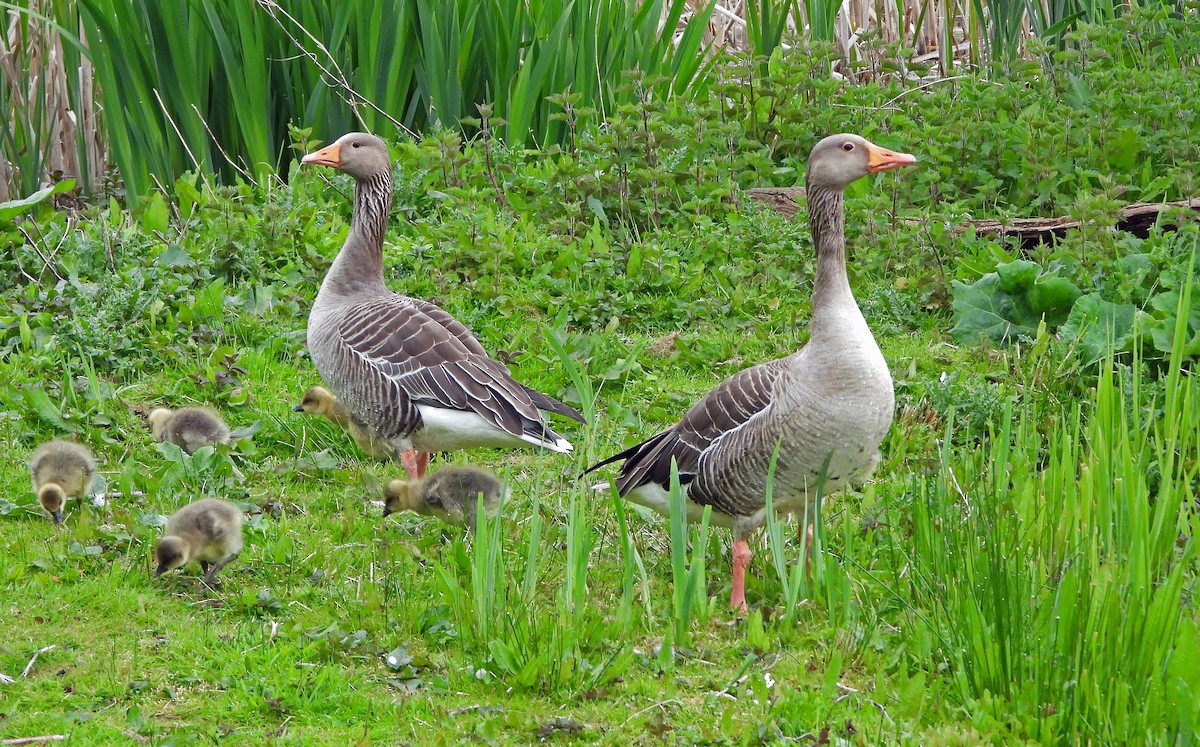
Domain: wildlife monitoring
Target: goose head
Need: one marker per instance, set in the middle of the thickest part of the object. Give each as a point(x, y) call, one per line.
point(359, 154)
point(838, 160)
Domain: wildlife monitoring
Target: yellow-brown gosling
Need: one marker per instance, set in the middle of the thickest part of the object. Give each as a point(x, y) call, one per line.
point(61, 469)
point(318, 400)
point(450, 494)
point(207, 531)
point(189, 428)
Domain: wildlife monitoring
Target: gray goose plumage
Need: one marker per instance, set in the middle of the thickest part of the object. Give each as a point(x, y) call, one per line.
point(207, 531)
point(189, 428)
point(828, 405)
point(409, 371)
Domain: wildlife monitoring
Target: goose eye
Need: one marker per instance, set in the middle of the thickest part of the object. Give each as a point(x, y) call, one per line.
point(845, 146)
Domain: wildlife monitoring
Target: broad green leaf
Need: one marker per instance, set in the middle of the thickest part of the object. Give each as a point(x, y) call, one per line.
point(1100, 326)
point(156, 217)
point(1017, 275)
point(48, 411)
point(984, 310)
point(174, 256)
point(1012, 301)
point(1162, 330)
point(12, 208)
point(1054, 297)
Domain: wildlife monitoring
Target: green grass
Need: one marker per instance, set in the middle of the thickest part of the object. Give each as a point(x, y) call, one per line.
point(561, 608)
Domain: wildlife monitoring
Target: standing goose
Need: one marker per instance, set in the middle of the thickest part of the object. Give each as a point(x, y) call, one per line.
point(410, 372)
point(828, 405)
point(60, 469)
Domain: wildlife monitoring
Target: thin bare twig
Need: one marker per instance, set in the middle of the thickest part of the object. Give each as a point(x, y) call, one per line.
point(49, 265)
point(650, 707)
point(901, 95)
point(35, 740)
point(335, 75)
point(216, 142)
point(36, 654)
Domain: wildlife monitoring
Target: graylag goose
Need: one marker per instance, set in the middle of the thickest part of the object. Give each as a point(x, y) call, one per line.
point(207, 531)
point(189, 428)
point(827, 406)
point(61, 469)
point(410, 372)
point(318, 400)
point(450, 494)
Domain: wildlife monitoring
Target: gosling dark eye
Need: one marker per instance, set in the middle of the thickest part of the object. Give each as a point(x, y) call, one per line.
point(847, 147)
point(355, 145)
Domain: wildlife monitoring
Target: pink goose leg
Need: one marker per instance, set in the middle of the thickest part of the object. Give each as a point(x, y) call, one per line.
point(408, 458)
point(808, 546)
point(415, 463)
point(741, 558)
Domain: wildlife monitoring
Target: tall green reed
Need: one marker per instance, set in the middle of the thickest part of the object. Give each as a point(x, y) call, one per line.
point(529, 634)
point(214, 86)
point(46, 99)
point(1051, 566)
point(688, 597)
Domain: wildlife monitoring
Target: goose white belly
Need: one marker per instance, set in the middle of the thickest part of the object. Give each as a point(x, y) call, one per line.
point(654, 496)
point(444, 429)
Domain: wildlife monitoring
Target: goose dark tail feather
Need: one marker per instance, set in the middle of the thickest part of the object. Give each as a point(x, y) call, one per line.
point(549, 404)
point(614, 458)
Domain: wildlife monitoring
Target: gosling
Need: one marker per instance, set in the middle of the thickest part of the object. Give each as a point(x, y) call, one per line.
point(450, 494)
point(208, 531)
point(318, 400)
point(61, 469)
point(189, 428)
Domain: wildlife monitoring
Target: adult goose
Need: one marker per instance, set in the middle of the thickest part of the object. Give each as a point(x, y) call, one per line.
point(826, 407)
point(409, 371)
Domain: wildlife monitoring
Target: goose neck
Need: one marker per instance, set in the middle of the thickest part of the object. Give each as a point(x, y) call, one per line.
point(358, 268)
point(826, 220)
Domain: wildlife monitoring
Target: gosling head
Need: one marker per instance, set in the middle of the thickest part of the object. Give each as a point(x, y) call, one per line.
point(401, 495)
point(158, 418)
point(359, 154)
point(316, 401)
point(838, 160)
point(53, 497)
point(171, 553)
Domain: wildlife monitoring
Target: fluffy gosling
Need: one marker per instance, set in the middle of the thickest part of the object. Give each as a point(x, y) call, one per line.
point(208, 531)
point(61, 469)
point(450, 494)
point(318, 400)
point(189, 428)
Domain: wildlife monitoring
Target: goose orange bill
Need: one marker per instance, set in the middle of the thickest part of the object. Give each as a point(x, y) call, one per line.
point(331, 155)
point(882, 159)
